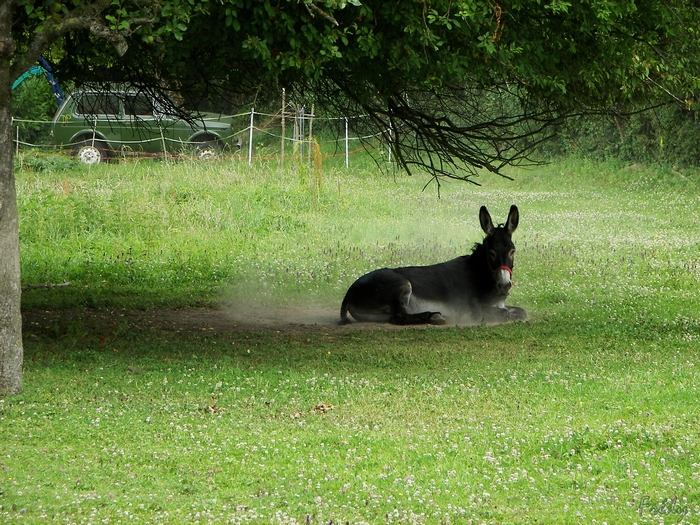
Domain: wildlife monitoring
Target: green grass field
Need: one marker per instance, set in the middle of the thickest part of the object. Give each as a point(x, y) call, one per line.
point(587, 413)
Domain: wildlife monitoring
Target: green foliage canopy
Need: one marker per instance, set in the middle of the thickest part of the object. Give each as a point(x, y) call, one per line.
point(454, 84)
point(593, 52)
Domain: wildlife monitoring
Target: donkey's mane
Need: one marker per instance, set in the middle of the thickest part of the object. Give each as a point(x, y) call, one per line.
point(476, 246)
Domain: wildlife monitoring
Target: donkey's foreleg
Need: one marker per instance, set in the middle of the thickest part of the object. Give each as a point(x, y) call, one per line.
point(496, 314)
point(515, 313)
point(399, 309)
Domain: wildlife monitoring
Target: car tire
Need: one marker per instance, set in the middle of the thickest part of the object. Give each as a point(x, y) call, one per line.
point(207, 150)
point(90, 152)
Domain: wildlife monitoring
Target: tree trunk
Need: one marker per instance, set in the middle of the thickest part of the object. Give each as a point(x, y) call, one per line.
point(11, 352)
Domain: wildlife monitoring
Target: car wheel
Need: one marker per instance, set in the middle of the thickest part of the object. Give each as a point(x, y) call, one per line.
point(206, 151)
point(90, 152)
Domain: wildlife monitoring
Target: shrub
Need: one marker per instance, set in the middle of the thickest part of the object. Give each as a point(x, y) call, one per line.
point(34, 104)
point(667, 135)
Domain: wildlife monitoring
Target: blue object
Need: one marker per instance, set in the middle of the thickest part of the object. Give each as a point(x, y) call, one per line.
point(43, 69)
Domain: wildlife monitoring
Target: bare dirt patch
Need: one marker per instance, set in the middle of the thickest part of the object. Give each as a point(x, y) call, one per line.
point(228, 318)
point(240, 318)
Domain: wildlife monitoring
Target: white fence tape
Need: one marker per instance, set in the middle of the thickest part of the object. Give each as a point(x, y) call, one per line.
point(262, 130)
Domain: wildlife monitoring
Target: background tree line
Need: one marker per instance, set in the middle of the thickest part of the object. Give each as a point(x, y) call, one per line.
point(668, 134)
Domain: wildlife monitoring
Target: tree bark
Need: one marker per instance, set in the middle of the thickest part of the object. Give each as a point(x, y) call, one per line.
point(11, 350)
point(88, 17)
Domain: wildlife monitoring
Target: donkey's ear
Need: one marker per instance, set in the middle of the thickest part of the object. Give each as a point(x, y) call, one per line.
point(513, 218)
point(485, 220)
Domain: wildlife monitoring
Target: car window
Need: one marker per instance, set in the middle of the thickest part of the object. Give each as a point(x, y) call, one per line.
point(97, 104)
point(138, 104)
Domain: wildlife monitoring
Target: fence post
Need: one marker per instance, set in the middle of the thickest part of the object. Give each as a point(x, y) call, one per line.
point(347, 145)
point(250, 137)
point(162, 141)
point(311, 127)
point(17, 141)
point(301, 117)
point(391, 137)
point(284, 108)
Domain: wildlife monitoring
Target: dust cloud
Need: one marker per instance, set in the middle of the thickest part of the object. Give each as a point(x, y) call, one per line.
point(247, 306)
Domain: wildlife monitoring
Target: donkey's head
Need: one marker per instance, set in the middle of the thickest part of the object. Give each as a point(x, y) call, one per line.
point(499, 247)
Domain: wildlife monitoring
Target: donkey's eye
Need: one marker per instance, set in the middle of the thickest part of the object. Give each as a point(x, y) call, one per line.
point(492, 255)
point(511, 254)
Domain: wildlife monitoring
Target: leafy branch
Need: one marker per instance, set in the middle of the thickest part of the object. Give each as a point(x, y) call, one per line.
point(86, 17)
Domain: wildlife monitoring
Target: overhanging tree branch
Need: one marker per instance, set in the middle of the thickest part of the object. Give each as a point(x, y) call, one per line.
point(452, 133)
point(88, 18)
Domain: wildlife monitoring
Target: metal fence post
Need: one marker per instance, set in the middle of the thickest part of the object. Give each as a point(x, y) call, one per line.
point(347, 145)
point(391, 137)
point(162, 141)
point(284, 109)
point(250, 137)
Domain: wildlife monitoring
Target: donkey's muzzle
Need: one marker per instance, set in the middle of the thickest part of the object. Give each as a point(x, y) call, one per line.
point(502, 276)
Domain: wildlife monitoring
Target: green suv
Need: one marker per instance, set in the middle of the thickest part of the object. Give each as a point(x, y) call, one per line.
point(97, 124)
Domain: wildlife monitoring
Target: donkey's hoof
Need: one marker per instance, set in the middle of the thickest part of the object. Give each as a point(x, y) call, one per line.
point(437, 318)
point(516, 313)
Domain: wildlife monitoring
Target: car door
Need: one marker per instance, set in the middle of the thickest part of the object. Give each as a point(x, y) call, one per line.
point(86, 113)
point(141, 129)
